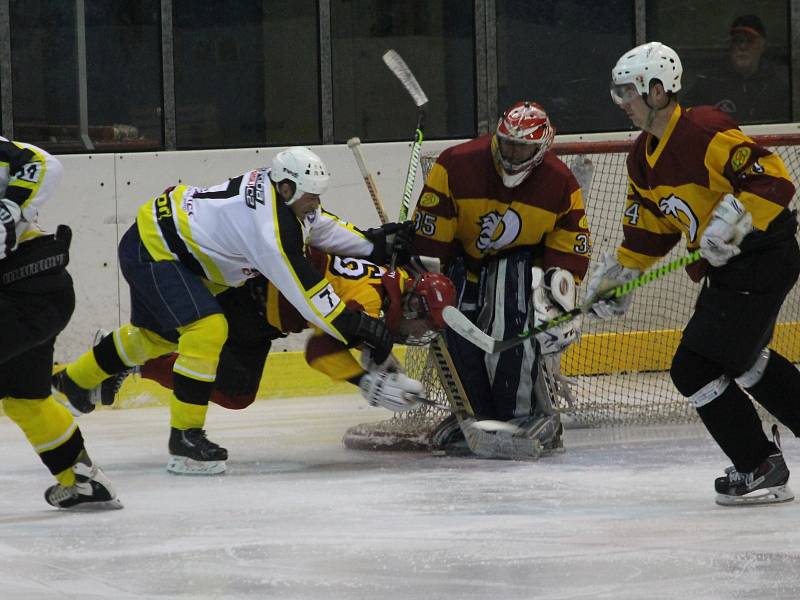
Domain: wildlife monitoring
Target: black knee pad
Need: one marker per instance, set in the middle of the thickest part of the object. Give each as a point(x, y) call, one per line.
point(690, 371)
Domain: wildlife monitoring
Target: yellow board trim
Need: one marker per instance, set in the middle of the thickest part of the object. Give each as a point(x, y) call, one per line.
point(636, 351)
point(286, 375)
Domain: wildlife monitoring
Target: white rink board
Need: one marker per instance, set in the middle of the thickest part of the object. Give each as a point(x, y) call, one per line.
point(625, 514)
point(100, 193)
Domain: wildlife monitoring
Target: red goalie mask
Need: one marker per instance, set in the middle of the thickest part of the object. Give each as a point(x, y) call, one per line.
point(524, 134)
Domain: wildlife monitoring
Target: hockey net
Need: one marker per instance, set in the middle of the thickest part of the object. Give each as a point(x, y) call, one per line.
point(618, 373)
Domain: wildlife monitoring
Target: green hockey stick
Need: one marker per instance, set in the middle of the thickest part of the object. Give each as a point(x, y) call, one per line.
point(459, 323)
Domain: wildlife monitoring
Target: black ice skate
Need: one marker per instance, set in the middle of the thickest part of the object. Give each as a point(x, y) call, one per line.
point(110, 387)
point(78, 400)
point(448, 438)
point(764, 485)
point(192, 453)
point(92, 489)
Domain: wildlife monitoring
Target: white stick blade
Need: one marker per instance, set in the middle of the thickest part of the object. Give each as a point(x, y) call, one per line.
point(459, 323)
point(400, 69)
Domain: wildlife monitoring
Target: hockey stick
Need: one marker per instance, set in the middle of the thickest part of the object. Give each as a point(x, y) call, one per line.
point(459, 323)
point(400, 69)
point(354, 144)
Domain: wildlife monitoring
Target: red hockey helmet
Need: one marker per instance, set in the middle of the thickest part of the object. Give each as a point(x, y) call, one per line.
point(415, 316)
point(524, 134)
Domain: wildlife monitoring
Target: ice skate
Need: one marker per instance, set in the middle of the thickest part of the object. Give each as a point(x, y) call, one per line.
point(192, 453)
point(767, 484)
point(448, 438)
point(110, 387)
point(92, 489)
point(78, 400)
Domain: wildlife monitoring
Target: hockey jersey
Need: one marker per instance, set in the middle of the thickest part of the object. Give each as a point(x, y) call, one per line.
point(28, 176)
point(357, 282)
point(465, 209)
point(675, 183)
point(232, 231)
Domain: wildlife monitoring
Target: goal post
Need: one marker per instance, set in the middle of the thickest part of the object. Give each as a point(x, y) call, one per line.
point(618, 371)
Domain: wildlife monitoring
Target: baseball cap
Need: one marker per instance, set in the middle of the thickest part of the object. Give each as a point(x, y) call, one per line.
point(749, 24)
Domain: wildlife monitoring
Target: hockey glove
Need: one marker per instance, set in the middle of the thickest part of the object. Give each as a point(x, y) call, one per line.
point(554, 293)
point(389, 239)
point(607, 275)
point(729, 224)
point(359, 328)
point(391, 390)
point(10, 215)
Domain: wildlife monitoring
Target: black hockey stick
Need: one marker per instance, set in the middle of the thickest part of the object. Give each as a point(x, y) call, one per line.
point(400, 69)
point(459, 323)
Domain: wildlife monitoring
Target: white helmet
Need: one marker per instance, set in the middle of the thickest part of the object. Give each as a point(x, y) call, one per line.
point(644, 63)
point(303, 168)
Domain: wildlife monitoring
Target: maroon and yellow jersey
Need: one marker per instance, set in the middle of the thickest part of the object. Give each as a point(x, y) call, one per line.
point(357, 282)
point(465, 209)
point(675, 183)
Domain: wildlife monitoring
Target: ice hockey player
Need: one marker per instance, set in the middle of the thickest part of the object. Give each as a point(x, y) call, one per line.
point(693, 173)
point(189, 243)
point(506, 217)
point(410, 300)
point(36, 303)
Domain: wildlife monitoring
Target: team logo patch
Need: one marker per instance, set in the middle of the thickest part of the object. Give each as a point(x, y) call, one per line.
point(678, 209)
point(740, 158)
point(429, 200)
point(498, 231)
point(583, 223)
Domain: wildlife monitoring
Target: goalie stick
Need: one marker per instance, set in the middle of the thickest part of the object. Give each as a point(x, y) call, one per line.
point(459, 323)
point(400, 69)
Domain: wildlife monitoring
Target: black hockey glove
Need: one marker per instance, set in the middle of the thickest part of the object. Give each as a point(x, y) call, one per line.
point(359, 328)
point(389, 239)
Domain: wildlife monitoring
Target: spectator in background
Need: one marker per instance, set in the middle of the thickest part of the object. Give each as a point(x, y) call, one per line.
point(747, 86)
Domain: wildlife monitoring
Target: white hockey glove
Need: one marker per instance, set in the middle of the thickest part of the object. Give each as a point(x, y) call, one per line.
point(554, 293)
point(392, 390)
point(10, 216)
point(729, 225)
point(609, 274)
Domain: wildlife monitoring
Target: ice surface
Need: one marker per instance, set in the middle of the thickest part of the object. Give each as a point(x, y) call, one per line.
point(622, 514)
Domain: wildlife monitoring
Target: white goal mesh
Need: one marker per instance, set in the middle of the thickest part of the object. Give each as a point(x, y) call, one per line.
point(618, 372)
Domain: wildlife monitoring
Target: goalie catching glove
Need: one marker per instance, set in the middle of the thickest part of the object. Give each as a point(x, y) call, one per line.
point(607, 275)
point(386, 385)
point(554, 293)
point(729, 224)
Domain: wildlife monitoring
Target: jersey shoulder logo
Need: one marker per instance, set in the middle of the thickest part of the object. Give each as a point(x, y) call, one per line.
point(429, 200)
point(255, 190)
point(675, 207)
point(498, 231)
point(740, 158)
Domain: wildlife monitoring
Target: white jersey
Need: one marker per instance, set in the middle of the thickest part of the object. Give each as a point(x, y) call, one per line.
point(28, 176)
point(232, 231)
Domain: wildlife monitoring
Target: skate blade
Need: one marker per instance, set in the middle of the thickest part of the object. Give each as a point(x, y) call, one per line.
point(114, 504)
point(771, 495)
point(181, 465)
